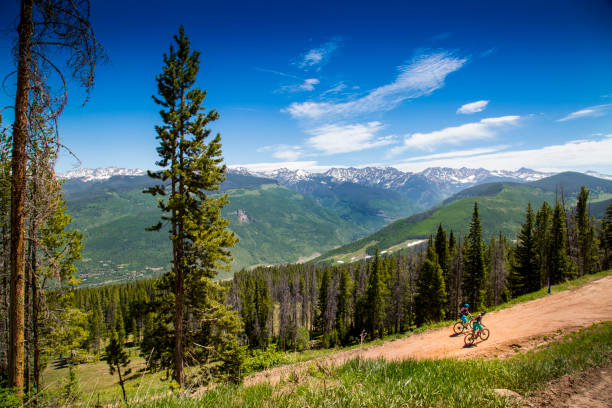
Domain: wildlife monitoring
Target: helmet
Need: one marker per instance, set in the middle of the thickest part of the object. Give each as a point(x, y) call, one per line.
point(466, 305)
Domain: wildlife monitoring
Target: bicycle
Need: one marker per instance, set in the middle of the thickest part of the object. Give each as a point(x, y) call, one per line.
point(471, 337)
point(460, 327)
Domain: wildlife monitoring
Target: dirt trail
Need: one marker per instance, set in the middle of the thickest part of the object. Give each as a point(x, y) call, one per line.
point(523, 326)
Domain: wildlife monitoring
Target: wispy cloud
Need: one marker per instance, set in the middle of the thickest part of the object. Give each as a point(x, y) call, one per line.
point(340, 86)
point(283, 152)
point(422, 76)
point(481, 130)
point(473, 107)
point(307, 85)
point(456, 154)
point(316, 57)
point(335, 138)
point(592, 111)
point(573, 155)
point(279, 73)
point(291, 165)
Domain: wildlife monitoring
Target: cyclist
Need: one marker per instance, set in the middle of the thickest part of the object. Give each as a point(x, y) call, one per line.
point(464, 313)
point(477, 323)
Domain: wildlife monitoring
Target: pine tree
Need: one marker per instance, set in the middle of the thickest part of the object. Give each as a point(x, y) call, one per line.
point(116, 358)
point(193, 168)
point(431, 290)
point(525, 275)
point(475, 276)
point(345, 288)
point(375, 298)
point(322, 324)
point(606, 240)
point(541, 235)
point(443, 252)
point(559, 264)
point(587, 242)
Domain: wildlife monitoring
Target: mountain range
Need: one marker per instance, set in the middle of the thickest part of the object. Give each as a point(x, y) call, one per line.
point(284, 216)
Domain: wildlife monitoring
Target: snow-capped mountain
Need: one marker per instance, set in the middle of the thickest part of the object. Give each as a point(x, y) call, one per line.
point(100, 173)
point(598, 175)
point(392, 178)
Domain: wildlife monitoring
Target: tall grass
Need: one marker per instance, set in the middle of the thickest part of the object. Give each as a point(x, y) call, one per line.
point(425, 383)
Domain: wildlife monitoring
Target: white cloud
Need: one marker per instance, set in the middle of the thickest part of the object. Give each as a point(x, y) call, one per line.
point(421, 77)
point(307, 85)
point(573, 155)
point(335, 138)
point(592, 111)
point(482, 130)
point(456, 153)
point(335, 89)
point(291, 165)
point(473, 107)
point(283, 152)
point(318, 56)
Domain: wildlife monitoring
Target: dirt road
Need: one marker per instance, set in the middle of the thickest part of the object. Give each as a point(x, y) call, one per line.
point(520, 327)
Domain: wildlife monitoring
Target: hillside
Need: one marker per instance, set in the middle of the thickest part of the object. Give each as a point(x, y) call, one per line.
point(113, 215)
point(502, 207)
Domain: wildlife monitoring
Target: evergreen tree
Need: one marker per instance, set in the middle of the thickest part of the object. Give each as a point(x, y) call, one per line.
point(587, 241)
point(375, 298)
point(475, 276)
point(116, 358)
point(345, 288)
point(192, 170)
point(443, 252)
point(431, 290)
point(525, 275)
point(606, 230)
point(559, 264)
point(322, 324)
point(541, 236)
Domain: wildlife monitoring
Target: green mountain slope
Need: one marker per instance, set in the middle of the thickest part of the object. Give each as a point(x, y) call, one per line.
point(501, 205)
point(275, 225)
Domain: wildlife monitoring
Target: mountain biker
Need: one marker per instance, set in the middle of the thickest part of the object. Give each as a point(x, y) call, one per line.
point(464, 312)
point(477, 323)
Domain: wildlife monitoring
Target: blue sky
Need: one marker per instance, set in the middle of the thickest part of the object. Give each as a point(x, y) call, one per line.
point(475, 84)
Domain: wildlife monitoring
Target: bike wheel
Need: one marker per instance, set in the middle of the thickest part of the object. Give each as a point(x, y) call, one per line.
point(469, 339)
point(458, 328)
point(484, 334)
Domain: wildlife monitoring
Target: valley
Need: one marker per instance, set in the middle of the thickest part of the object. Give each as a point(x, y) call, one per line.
point(287, 216)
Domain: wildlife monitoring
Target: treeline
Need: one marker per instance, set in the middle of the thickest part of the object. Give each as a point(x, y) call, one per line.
point(299, 305)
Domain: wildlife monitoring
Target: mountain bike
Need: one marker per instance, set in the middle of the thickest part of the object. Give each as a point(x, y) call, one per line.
point(460, 327)
point(471, 337)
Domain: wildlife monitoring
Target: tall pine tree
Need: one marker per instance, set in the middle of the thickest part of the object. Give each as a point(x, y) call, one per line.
point(192, 171)
point(560, 266)
point(375, 297)
point(475, 275)
point(431, 290)
point(525, 275)
point(587, 242)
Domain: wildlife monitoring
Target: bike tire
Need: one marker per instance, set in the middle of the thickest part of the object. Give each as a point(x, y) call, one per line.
point(484, 334)
point(469, 339)
point(458, 328)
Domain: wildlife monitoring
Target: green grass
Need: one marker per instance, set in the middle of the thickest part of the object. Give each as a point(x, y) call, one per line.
point(425, 383)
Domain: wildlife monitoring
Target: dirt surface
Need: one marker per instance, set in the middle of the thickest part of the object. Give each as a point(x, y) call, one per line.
point(518, 328)
point(586, 389)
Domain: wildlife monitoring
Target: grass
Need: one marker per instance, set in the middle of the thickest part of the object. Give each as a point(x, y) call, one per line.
point(425, 383)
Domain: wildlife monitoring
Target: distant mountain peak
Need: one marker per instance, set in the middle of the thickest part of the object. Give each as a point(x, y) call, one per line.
point(100, 173)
